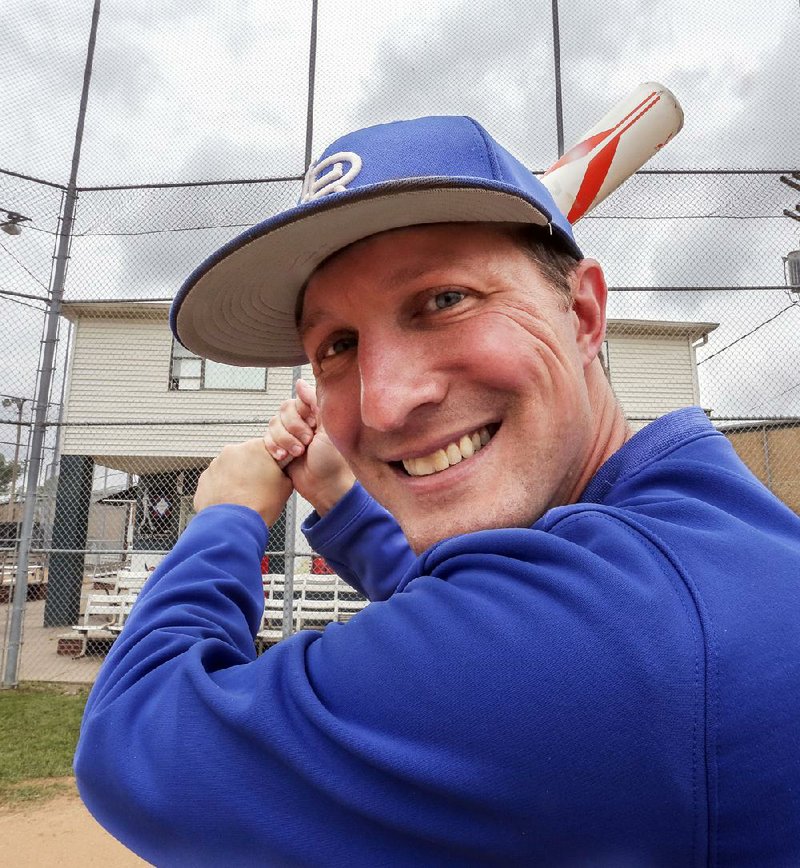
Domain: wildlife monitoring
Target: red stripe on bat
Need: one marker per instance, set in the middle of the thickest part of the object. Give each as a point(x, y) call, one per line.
point(596, 173)
point(597, 170)
point(587, 145)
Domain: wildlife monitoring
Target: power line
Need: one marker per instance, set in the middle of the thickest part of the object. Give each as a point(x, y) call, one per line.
point(773, 397)
point(212, 226)
point(747, 334)
point(23, 267)
point(160, 231)
point(7, 297)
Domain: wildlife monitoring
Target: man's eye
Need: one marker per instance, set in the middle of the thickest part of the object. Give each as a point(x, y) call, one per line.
point(337, 346)
point(445, 299)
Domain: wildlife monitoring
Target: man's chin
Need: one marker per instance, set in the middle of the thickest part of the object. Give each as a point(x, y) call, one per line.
point(421, 537)
point(421, 534)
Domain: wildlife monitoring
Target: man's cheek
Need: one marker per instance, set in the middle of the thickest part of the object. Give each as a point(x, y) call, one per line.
point(331, 418)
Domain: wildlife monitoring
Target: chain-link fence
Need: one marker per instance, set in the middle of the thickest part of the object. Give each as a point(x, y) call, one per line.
point(102, 461)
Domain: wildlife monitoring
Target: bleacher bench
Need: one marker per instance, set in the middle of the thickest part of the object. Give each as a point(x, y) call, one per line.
point(103, 617)
point(318, 601)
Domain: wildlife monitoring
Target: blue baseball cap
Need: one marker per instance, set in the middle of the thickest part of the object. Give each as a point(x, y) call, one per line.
point(238, 306)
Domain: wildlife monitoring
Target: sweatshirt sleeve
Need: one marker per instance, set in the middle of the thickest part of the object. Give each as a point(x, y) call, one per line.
point(362, 542)
point(520, 701)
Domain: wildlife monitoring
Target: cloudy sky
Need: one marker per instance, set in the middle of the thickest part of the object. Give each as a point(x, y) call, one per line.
point(218, 91)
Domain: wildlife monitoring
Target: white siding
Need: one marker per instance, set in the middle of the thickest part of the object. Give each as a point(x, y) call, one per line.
point(120, 374)
point(651, 374)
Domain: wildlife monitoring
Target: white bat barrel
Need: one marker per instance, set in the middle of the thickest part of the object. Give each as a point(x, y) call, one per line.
point(619, 145)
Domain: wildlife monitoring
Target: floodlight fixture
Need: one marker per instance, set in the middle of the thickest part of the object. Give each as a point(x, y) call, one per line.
point(12, 224)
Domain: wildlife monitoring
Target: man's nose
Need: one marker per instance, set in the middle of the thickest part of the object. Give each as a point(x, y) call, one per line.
point(398, 376)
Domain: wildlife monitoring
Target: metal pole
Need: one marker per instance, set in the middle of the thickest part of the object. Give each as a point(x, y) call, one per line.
point(312, 66)
point(15, 469)
point(767, 468)
point(20, 402)
point(43, 392)
point(557, 58)
point(297, 372)
point(289, 545)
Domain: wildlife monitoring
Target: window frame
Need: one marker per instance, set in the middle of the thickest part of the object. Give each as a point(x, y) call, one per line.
point(183, 353)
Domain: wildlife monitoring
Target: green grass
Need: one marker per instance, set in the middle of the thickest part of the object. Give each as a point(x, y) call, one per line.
point(39, 726)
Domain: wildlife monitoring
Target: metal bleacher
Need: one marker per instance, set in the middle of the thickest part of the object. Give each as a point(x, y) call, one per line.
point(318, 600)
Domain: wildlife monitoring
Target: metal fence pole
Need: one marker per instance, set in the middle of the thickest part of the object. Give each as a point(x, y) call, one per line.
point(43, 392)
point(289, 544)
point(297, 372)
point(557, 60)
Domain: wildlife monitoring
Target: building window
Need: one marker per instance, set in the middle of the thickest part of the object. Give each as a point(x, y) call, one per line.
point(189, 372)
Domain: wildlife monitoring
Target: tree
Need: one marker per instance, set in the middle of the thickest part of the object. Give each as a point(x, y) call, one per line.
point(6, 475)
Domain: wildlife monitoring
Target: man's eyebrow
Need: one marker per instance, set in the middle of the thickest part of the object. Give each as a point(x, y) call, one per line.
point(405, 274)
point(309, 322)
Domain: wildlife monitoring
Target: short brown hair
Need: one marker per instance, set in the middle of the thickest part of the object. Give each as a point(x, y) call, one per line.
point(549, 253)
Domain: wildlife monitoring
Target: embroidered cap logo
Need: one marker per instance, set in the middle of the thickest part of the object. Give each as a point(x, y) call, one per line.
point(315, 184)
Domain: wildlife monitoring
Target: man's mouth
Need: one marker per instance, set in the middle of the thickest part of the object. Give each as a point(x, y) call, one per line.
point(454, 453)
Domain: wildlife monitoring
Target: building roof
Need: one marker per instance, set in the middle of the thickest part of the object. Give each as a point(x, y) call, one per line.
point(114, 308)
point(132, 309)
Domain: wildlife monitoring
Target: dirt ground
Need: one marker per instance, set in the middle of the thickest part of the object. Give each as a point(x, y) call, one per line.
point(59, 832)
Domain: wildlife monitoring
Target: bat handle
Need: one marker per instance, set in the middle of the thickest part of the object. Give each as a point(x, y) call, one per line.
point(285, 462)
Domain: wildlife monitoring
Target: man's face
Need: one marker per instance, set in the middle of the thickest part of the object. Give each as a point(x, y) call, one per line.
point(438, 343)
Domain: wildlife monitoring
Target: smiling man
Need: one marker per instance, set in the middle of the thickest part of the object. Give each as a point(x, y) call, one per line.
point(469, 362)
point(583, 645)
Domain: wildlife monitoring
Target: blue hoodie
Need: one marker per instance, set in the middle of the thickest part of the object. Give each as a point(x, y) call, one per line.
point(618, 685)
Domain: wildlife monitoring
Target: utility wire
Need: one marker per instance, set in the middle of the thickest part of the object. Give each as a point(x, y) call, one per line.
point(23, 267)
point(747, 334)
point(136, 233)
point(773, 397)
point(23, 303)
point(161, 231)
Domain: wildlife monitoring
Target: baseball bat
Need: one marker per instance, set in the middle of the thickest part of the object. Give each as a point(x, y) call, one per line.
point(615, 148)
point(608, 154)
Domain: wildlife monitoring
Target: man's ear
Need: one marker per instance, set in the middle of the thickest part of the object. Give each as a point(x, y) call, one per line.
point(589, 295)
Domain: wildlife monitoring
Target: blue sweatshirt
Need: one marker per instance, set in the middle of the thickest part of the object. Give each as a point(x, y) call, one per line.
point(618, 685)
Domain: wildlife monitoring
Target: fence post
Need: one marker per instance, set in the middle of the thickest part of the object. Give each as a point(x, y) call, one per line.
point(289, 542)
point(10, 675)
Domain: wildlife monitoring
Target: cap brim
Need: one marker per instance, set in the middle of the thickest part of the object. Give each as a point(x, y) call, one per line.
point(238, 307)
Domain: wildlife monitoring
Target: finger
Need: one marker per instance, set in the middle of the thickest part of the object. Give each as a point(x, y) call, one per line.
point(276, 451)
point(278, 454)
point(285, 461)
point(294, 415)
point(284, 439)
point(289, 430)
point(308, 395)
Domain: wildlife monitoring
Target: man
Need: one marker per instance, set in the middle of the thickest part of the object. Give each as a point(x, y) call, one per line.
point(588, 655)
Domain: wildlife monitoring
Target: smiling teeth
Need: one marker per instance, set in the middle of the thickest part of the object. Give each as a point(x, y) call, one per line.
point(455, 452)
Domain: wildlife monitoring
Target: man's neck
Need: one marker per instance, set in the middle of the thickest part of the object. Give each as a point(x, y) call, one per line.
point(610, 429)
